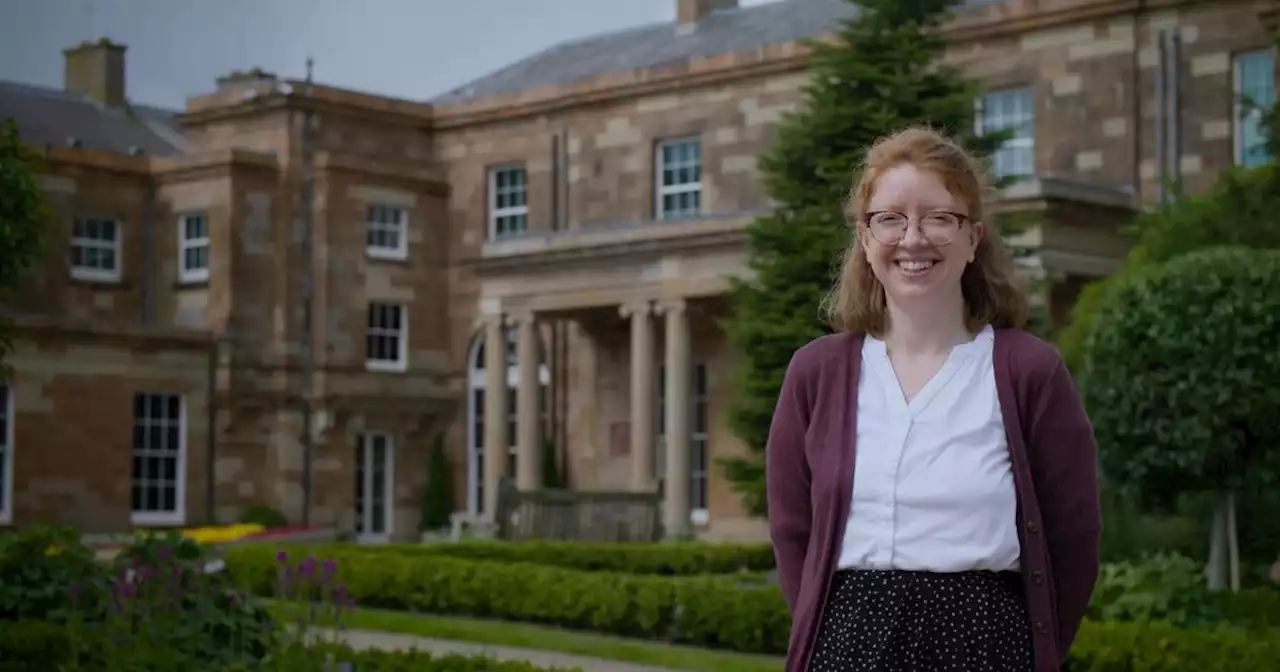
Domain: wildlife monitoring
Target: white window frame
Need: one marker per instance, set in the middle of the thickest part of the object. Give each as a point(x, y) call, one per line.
point(1015, 144)
point(660, 190)
point(698, 473)
point(186, 274)
point(6, 497)
point(1238, 105)
point(401, 363)
point(179, 514)
point(365, 512)
point(116, 246)
point(400, 227)
point(495, 213)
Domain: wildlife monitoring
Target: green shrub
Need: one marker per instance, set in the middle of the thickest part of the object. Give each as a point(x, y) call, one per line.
point(709, 611)
point(1129, 647)
point(713, 611)
point(39, 645)
point(43, 568)
point(265, 516)
point(32, 645)
point(668, 559)
point(1171, 588)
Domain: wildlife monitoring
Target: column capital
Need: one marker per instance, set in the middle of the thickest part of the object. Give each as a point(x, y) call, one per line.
point(678, 306)
point(516, 316)
point(636, 307)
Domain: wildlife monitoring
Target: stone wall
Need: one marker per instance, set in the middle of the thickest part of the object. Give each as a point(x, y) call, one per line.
point(73, 426)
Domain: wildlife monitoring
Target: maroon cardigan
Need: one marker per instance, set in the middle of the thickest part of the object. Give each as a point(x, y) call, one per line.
point(809, 465)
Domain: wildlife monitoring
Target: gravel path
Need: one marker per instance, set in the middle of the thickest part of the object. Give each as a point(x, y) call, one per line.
point(370, 639)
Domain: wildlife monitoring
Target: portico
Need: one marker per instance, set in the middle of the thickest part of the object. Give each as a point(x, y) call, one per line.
point(646, 367)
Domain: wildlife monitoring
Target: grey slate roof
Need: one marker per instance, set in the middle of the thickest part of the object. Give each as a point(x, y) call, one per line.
point(723, 31)
point(48, 116)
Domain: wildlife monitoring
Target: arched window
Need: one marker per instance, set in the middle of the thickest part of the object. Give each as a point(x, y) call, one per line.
point(476, 385)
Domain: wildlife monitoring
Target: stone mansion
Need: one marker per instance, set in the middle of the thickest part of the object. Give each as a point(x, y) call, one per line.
point(281, 294)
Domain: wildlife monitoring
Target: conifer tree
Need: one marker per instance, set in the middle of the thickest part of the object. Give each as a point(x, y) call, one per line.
point(881, 73)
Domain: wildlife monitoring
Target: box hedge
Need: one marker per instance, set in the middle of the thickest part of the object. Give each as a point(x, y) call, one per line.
point(41, 645)
point(667, 559)
point(709, 611)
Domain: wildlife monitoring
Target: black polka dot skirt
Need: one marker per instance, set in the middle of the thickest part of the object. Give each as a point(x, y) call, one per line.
point(899, 621)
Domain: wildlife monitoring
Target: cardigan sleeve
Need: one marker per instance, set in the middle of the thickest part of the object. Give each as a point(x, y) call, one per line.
point(1064, 462)
point(787, 477)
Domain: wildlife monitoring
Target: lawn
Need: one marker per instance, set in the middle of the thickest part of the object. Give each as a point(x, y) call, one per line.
point(544, 638)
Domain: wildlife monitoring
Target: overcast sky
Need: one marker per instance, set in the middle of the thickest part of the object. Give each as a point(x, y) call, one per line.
point(407, 48)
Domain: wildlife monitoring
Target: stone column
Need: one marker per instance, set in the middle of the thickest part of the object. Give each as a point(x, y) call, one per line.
point(528, 447)
point(678, 380)
point(496, 442)
point(642, 398)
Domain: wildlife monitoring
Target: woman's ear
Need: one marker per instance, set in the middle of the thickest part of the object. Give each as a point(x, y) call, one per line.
point(976, 231)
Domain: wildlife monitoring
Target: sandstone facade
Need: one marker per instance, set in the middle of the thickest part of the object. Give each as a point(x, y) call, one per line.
point(542, 218)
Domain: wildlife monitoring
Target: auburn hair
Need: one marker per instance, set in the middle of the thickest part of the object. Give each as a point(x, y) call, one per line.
point(993, 293)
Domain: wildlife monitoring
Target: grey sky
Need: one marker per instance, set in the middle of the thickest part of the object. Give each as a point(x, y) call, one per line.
point(407, 48)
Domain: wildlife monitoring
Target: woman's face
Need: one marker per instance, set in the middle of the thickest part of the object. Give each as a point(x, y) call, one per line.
point(928, 258)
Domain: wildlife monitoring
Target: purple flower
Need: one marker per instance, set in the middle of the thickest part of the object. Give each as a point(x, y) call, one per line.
point(282, 556)
point(164, 552)
point(328, 569)
point(307, 567)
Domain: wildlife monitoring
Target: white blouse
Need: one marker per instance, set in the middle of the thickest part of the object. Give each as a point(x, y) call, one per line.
point(933, 482)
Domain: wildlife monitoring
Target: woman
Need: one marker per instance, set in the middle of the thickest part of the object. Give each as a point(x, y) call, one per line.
point(932, 476)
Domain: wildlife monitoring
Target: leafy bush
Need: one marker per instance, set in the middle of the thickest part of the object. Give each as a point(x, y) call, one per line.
point(40, 645)
point(1126, 647)
point(722, 612)
point(715, 611)
point(260, 514)
point(39, 565)
point(667, 559)
point(1171, 588)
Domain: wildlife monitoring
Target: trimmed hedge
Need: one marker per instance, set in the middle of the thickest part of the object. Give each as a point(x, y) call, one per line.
point(707, 611)
point(41, 645)
point(666, 559)
point(711, 611)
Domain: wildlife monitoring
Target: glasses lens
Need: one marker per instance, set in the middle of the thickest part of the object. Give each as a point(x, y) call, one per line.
point(887, 227)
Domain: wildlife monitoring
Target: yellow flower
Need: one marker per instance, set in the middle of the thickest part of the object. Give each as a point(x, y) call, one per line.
point(53, 550)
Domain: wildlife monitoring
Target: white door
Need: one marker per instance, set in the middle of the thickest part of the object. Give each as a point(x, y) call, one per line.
point(375, 468)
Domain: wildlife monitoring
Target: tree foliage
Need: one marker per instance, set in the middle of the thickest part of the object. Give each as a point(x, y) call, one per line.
point(880, 74)
point(1241, 209)
point(1181, 371)
point(437, 500)
point(22, 218)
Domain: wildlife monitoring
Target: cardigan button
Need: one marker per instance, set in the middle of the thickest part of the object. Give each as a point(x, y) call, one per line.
point(1032, 527)
point(1037, 577)
point(1041, 627)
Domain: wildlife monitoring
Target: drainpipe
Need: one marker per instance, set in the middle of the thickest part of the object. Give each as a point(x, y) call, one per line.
point(1174, 54)
point(1162, 165)
point(149, 254)
point(211, 430)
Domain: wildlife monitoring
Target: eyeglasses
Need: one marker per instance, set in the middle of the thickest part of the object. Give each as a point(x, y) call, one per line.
point(938, 227)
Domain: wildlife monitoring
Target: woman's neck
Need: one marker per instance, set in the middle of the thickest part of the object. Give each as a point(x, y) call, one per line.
point(927, 328)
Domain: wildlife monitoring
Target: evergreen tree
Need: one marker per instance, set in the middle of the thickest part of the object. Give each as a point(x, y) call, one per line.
point(22, 218)
point(437, 500)
point(880, 74)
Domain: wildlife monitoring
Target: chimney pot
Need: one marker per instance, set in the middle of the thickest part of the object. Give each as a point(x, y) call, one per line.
point(238, 80)
point(690, 12)
point(96, 69)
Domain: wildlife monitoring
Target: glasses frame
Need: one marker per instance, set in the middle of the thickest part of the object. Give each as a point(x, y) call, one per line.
point(963, 219)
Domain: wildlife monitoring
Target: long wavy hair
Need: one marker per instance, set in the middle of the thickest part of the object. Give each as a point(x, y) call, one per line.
point(993, 294)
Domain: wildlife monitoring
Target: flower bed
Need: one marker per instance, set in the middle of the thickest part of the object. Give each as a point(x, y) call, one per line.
point(156, 606)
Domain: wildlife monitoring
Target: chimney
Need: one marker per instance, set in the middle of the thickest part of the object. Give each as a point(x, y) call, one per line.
point(690, 12)
point(96, 69)
point(247, 79)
